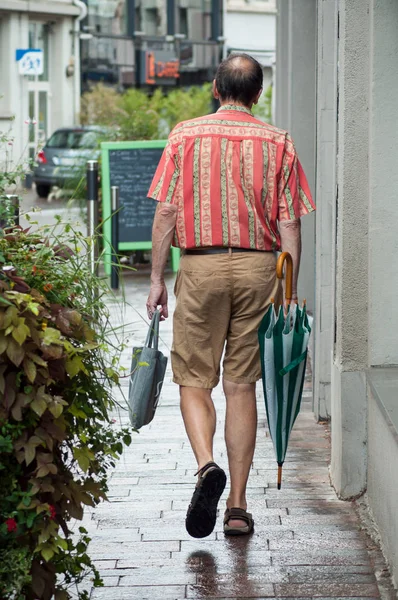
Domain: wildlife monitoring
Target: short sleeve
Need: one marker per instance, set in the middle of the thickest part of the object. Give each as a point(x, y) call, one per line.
point(165, 181)
point(294, 196)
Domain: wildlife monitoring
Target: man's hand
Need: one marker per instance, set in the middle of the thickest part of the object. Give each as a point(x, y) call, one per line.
point(157, 296)
point(294, 300)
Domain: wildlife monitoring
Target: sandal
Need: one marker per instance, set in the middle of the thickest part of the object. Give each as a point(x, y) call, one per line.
point(202, 511)
point(242, 515)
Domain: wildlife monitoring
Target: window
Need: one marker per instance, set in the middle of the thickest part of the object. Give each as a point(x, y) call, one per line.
point(72, 140)
point(183, 21)
point(151, 21)
point(38, 38)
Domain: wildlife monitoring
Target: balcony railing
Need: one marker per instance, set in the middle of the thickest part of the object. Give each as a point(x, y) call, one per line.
point(112, 58)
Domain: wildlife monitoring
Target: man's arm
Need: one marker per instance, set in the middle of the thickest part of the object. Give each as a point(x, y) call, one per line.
point(162, 235)
point(290, 232)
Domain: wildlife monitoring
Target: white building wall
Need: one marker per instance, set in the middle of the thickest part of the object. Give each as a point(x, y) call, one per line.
point(14, 88)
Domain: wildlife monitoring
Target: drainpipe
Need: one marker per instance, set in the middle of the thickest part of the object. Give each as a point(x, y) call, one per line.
point(77, 75)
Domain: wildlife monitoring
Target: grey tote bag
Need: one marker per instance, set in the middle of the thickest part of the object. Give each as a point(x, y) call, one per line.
point(146, 380)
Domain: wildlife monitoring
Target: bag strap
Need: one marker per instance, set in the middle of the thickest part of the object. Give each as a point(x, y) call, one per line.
point(153, 332)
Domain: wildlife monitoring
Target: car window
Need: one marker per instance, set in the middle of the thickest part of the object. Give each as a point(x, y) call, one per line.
point(73, 140)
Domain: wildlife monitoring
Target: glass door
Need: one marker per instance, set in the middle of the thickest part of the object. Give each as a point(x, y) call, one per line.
point(39, 91)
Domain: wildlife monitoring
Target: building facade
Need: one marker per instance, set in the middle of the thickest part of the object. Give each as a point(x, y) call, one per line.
point(250, 26)
point(32, 106)
point(337, 84)
point(151, 43)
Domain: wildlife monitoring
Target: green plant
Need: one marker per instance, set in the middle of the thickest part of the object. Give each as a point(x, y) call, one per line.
point(58, 363)
point(263, 110)
point(136, 116)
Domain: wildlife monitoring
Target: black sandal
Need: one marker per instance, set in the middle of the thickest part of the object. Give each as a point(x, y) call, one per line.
point(202, 511)
point(241, 515)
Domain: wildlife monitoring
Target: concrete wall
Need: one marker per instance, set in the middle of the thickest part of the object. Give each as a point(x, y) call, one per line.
point(295, 109)
point(349, 410)
point(383, 209)
point(383, 276)
point(326, 204)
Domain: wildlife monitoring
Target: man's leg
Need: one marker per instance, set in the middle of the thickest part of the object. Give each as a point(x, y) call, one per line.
point(240, 438)
point(199, 416)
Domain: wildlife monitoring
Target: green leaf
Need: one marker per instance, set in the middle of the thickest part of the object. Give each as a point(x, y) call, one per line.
point(3, 343)
point(21, 332)
point(39, 405)
point(30, 448)
point(83, 456)
point(4, 301)
point(30, 369)
point(47, 553)
point(37, 359)
point(56, 409)
point(51, 336)
point(77, 412)
point(33, 307)
point(20, 403)
point(74, 366)
point(15, 352)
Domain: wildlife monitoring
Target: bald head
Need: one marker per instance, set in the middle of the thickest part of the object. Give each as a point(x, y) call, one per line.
point(239, 78)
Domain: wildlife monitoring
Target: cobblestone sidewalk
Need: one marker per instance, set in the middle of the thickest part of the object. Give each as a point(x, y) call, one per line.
point(306, 542)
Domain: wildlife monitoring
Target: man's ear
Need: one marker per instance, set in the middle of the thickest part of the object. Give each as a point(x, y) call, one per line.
point(215, 90)
point(257, 98)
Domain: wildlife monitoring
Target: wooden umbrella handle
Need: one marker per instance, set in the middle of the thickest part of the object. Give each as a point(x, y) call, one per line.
point(285, 256)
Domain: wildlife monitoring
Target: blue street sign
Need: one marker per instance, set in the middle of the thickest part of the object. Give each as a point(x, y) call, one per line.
point(30, 61)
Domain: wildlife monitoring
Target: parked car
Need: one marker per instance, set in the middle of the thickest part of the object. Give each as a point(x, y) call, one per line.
point(62, 160)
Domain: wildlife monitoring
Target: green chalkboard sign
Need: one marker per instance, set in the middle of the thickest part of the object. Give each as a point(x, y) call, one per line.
point(131, 166)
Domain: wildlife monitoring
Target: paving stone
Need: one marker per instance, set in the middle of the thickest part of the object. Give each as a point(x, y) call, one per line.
point(329, 589)
point(236, 587)
point(160, 576)
point(318, 557)
point(150, 592)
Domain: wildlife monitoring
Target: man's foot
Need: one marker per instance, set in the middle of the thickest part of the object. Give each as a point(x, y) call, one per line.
point(202, 512)
point(237, 522)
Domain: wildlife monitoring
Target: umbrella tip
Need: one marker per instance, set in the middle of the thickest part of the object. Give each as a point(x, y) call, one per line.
point(279, 486)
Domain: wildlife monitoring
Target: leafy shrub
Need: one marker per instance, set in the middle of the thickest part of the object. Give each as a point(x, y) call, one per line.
point(57, 440)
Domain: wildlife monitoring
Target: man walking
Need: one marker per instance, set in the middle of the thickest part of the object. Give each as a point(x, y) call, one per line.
point(231, 191)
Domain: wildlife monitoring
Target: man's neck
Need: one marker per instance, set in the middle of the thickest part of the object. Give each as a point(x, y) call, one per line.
point(235, 103)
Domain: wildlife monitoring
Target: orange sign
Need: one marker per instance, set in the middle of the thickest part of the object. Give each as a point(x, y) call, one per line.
point(158, 67)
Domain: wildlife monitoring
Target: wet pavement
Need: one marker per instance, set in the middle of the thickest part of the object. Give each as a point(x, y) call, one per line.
point(306, 542)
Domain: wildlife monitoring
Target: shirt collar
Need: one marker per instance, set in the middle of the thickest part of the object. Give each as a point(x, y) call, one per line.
point(235, 107)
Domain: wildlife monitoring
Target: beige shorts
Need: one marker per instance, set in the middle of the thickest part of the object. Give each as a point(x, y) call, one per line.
point(221, 299)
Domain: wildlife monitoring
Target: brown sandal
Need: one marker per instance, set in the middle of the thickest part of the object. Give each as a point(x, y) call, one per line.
point(242, 515)
point(202, 511)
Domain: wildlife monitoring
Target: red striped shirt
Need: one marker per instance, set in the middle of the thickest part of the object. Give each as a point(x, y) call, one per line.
point(232, 178)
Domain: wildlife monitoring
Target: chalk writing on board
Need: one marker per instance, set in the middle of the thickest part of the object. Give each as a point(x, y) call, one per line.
point(132, 169)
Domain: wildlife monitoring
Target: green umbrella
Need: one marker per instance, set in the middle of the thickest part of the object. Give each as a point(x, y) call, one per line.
point(283, 350)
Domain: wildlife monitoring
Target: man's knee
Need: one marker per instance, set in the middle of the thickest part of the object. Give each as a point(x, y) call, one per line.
point(232, 388)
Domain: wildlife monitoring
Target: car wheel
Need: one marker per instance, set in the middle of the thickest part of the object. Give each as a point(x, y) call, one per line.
point(43, 190)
